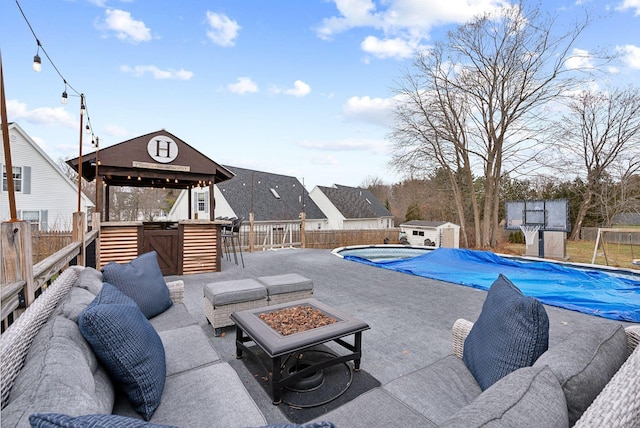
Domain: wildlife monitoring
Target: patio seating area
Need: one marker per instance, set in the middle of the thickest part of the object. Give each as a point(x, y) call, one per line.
point(411, 317)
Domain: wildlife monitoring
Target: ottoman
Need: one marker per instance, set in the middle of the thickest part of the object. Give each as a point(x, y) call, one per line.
point(225, 297)
point(286, 288)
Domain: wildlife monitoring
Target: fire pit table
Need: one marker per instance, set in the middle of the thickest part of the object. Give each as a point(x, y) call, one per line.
point(251, 328)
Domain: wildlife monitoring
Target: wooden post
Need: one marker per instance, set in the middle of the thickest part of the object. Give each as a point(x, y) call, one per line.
point(303, 226)
point(95, 225)
point(17, 261)
point(251, 232)
point(77, 235)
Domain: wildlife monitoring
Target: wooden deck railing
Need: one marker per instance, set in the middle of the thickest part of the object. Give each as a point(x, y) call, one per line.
point(28, 283)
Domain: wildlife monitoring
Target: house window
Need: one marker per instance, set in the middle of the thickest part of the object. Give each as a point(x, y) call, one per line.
point(275, 193)
point(202, 201)
point(32, 217)
point(418, 233)
point(17, 179)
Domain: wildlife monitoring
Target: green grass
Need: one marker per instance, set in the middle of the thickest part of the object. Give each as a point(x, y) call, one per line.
point(618, 255)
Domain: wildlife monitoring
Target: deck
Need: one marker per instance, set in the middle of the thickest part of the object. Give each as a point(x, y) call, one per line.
point(392, 303)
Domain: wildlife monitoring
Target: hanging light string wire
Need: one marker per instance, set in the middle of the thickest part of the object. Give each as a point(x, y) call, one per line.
point(66, 83)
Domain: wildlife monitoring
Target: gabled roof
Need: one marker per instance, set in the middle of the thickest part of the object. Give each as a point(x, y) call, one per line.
point(14, 126)
point(130, 163)
point(354, 202)
point(274, 196)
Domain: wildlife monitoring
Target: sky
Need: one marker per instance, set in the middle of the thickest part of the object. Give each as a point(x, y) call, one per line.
point(297, 87)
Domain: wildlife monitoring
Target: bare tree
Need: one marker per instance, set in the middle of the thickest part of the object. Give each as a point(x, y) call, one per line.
point(602, 131)
point(475, 103)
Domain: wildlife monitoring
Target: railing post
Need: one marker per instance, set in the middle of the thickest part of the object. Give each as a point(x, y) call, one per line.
point(17, 259)
point(251, 232)
point(78, 233)
point(303, 226)
point(95, 225)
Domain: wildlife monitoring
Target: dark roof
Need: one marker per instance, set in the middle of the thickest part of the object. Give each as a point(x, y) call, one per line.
point(284, 202)
point(354, 202)
point(121, 164)
point(423, 223)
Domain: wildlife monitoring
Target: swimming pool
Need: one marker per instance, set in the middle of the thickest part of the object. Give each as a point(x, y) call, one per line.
point(601, 291)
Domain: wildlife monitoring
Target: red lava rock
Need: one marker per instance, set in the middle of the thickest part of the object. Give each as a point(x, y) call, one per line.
point(296, 319)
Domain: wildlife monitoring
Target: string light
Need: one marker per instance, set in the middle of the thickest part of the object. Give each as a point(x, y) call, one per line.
point(37, 62)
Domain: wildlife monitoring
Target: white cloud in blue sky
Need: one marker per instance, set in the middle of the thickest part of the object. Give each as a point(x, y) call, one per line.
point(156, 72)
point(125, 27)
point(222, 30)
point(244, 85)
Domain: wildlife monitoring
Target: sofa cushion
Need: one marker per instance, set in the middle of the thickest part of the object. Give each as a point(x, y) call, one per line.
point(73, 303)
point(192, 337)
point(55, 420)
point(438, 390)
point(212, 393)
point(511, 332)
point(61, 374)
point(530, 396)
point(142, 280)
point(585, 362)
point(90, 279)
point(128, 346)
point(176, 316)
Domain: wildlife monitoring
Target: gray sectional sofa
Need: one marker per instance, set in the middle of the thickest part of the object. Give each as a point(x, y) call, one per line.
point(61, 373)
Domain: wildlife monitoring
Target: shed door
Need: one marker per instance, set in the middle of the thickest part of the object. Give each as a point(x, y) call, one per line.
point(448, 238)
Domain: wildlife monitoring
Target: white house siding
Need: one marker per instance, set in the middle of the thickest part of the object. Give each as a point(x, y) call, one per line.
point(49, 193)
point(335, 219)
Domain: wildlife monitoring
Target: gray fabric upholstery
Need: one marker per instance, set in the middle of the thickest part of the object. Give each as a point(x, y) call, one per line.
point(212, 393)
point(187, 348)
point(511, 332)
point(375, 408)
point(76, 300)
point(236, 291)
point(287, 283)
point(60, 375)
point(90, 279)
point(528, 397)
point(585, 362)
point(438, 390)
point(176, 316)
point(55, 420)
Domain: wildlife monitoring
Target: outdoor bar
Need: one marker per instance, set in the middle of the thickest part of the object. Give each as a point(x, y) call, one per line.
point(156, 160)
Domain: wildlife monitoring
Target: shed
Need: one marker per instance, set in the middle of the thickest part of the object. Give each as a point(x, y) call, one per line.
point(432, 233)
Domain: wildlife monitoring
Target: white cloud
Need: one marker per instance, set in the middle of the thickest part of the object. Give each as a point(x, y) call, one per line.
point(403, 23)
point(222, 30)
point(43, 115)
point(115, 131)
point(630, 4)
point(125, 27)
point(377, 111)
point(387, 48)
point(580, 59)
point(630, 55)
point(349, 144)
point(300, 89)
point(243, 85)
point(157, 73)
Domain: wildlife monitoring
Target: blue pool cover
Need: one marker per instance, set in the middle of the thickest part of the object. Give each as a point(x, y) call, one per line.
point(591, 291)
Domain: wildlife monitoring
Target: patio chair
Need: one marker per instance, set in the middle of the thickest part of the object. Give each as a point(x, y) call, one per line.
point(231, 235)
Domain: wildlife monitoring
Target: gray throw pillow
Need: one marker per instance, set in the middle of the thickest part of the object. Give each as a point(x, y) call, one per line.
point(528, 397)
point(127, 345)
point(511, 332)
point(142, 280)
point(585, 362)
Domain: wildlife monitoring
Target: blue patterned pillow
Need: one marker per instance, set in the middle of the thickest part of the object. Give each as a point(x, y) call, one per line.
point(511, 332)
point(142, 280)
point(127, 346)
point(54, 420)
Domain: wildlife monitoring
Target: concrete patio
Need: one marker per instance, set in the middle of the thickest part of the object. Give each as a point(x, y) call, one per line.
point(410, 317)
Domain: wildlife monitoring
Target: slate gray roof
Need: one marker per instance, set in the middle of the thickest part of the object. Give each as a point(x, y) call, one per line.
point(266, 206)
point(354, 202)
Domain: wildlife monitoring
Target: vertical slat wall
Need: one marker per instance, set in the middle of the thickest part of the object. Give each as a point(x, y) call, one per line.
point(200, 248)
point(119, 243)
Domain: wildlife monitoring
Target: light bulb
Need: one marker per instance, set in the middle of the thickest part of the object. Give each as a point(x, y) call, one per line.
point(37, 63)
point(87, 129)
point(64, 99)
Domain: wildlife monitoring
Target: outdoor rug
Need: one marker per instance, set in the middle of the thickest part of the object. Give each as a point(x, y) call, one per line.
point(317, 394)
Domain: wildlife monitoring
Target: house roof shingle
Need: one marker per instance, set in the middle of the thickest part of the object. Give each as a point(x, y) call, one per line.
point(284, 202)
point(354, 202)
